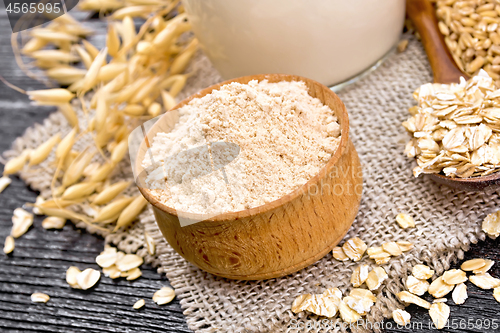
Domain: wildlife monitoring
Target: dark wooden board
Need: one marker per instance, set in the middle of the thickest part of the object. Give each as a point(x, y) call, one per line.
point(41, 257)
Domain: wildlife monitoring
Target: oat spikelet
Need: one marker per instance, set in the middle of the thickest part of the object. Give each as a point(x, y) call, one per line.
point(16, 164)
point(130, 213)
point(76, 168)
point(110, 192)
point(69, 113)
point(112, 41)
point(51, 96)
point(181, 61)
point(39, 155)
point(113, 210)
point(78, 191)
point(168, 100)
point(65, 145)
point(90, 78)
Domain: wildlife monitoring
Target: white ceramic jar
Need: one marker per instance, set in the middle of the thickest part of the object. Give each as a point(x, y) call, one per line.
point(329, 41)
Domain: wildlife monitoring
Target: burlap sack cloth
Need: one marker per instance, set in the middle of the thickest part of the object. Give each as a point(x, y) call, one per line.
point(448, 221)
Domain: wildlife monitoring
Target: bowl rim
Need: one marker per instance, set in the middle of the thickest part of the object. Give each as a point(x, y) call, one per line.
point(341, 114)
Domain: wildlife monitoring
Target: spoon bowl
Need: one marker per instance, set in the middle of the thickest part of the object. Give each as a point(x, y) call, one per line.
point(476, 184)
point(445, 70)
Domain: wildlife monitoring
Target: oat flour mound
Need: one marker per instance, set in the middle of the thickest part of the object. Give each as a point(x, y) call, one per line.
point(283, 138)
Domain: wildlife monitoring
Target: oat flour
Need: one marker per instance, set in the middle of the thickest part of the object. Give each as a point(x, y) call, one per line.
point(284, 137)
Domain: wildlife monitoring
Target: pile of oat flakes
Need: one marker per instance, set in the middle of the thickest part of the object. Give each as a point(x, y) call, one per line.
point(456, 128)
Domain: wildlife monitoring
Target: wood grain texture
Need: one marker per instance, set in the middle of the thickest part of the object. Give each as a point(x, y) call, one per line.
point(282, 236)
point(42, 257)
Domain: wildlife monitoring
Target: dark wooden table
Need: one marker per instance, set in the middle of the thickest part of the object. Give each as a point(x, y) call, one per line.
point(41, 257)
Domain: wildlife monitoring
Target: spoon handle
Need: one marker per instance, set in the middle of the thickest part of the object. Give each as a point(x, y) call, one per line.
point(422, 13)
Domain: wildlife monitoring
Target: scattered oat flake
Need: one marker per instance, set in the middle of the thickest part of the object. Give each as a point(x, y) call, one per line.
point(401, 317)
point(364, 293)
point(361, 305)
point(4, 182)
point(402, 45)
point(473, 264)
point(134, 274)
point(454, 276)
point(326, 306)
point(21, 222)
point(139, 304)
point(416, 286)
point(379, 255)
point(53, 222)
point(164, 295)
point(301, 303)
point(374, 251)
point(347, 314)
point(491, 224)
point(105, 260)
point(485, 268)
point(9, 245)
point(150, 243)
point(120, 255)
point(439, 288)
point(71, 275)
point(382, 261)
point(112, 272)
point(408, 297)
point(39, 298)
point(405, 221)
point(88, 278)
point(422, 272)
point(359, 275)
point(440, 300)
point(459, 294)
point(354, 248)
point(339, 254)
point(404, 246)
point(496, 294)
point(392, 248)
point(375, 278)
point(335, 292)
point(485, 281)
point(129, 262)
point(439, 313)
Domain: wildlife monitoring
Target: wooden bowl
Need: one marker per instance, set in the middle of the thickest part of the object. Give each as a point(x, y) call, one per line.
point(282, 236)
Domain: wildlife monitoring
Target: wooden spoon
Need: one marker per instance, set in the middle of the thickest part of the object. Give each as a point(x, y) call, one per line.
point(445, 70)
